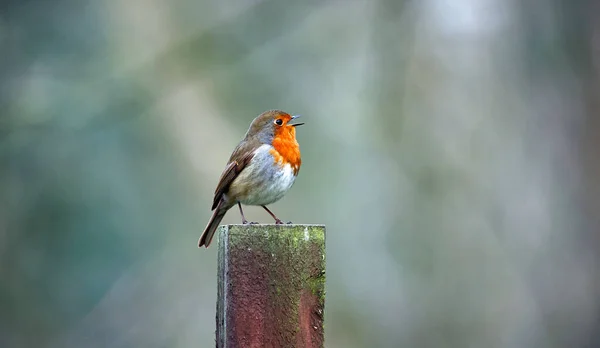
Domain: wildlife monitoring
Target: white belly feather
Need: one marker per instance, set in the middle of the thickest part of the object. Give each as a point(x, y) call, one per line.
point(263, 181)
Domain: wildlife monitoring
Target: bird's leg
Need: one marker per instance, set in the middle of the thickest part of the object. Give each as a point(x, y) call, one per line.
point(244, 221)
point(277, 221)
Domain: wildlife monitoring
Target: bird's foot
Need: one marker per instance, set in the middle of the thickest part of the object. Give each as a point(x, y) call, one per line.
point(253, 223)
point(246, 222)
point(278, 222)
point(289, 223)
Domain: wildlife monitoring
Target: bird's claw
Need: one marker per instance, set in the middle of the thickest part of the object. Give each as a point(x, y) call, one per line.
point(278, 222)
point(289, 223)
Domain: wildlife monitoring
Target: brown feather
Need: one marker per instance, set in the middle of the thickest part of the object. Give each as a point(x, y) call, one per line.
point(239, 160)
point(214, 222)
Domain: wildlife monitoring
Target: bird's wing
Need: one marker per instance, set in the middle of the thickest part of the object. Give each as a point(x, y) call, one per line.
point(231, 172)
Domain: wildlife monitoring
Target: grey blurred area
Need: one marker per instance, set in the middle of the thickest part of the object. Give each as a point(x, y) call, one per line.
point(451, 148)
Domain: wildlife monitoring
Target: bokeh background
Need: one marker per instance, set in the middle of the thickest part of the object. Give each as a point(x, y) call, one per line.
point(451, 148)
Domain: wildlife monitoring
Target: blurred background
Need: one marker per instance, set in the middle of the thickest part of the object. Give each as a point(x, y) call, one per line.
point(450, 147)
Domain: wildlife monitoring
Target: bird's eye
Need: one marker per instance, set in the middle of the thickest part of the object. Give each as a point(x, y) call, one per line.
point(279, 122)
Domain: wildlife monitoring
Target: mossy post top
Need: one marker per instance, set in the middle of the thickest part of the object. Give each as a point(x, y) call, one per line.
point(271, 286)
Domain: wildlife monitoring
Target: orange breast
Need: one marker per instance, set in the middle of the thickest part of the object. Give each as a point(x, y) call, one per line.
point(286, 149)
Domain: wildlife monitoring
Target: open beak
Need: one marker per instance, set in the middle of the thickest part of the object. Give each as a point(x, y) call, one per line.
point(295, 124)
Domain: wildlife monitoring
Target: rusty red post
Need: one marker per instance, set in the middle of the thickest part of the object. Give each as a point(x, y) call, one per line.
point(271, 286)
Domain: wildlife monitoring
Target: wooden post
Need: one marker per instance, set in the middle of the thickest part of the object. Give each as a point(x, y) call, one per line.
point(271, 286)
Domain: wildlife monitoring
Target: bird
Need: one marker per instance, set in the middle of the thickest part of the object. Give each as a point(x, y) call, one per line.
point(261, 170)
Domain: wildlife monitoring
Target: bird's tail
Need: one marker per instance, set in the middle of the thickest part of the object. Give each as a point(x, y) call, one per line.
point(214, 222)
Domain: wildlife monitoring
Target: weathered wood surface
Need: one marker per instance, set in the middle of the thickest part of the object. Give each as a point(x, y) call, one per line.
point(271, 286)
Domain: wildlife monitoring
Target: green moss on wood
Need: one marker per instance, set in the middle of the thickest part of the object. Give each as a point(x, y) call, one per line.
point(293, 260)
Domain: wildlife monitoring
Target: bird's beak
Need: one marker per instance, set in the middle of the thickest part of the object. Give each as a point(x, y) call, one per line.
point(295, 124)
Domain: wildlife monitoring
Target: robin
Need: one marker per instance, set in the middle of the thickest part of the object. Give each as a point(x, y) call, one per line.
point(260, 171)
